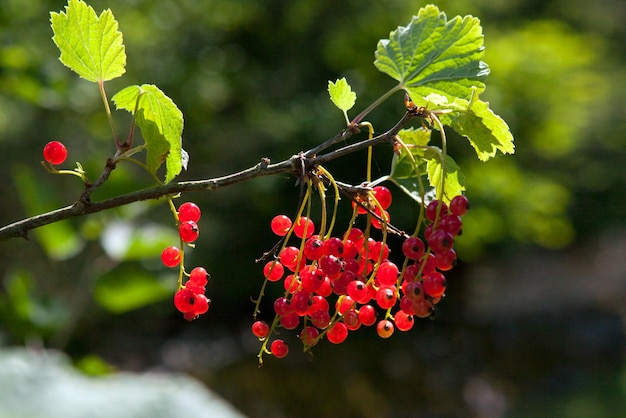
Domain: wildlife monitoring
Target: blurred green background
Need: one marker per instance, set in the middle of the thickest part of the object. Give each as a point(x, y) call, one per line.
point(533, 321)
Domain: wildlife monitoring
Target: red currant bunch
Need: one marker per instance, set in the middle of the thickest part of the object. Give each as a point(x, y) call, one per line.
point(336, 284)
point(55, 153)
point(190, 299)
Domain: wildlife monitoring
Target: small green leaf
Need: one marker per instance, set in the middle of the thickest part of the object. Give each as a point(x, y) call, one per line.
point(90, 45)
point(341, 94)
point(486, 131)
point(161, 124)
point(434, 55)
point(453, 182)
point(407, 168)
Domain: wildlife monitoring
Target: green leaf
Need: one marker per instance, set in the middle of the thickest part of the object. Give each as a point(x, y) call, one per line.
point(453, 180)
point(486, 131)
point(434, 55)
point(90, 45)
point(161, 124)
point(407, 168)
point(341, 94)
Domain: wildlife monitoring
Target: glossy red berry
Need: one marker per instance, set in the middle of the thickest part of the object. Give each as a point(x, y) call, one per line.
point(189, 231)
point(403, 321)
point(320, 319)
point(386, 297)
point(184, 300)
point(260, 329)
point(54, 152)
point(459, 205)
point(433, 209)
point(273, 271)
point(384, 328)
point(290, 321)
point(387, 273)
point(304, 227)
point(279, 348)
point(189, 211)
point(434, 284)
point(337, 333)
point(440, 241)
point(199, 277)
point(314, 248)
point(171, 256)
point(413, 248)
point(383, 195)
point(201, 304)
point(282, 306)
point(309, 336)
point(357, 290)
point(450, 223)
point(280, 225)
point(446, 261)
point(367, 315)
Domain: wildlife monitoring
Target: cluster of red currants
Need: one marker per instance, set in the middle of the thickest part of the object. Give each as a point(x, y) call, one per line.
point(353, 275)
point(190, 298)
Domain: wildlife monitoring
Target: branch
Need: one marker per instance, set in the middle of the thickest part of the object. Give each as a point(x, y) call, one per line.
point(293, 165)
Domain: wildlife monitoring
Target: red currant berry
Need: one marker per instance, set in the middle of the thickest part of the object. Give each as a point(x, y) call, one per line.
point(289, 258)
point(292, 283)
point(184, 300)
point(403, 321)
point(356, 236)
point(198, 277)
point(351, 319)
point(423, 308)
point(446, 261)
point(279, 348)
point(384, 216)
point(459, 205)
point(301, 302)
point(384, 328)
point(429, 264)
point(281, 224)
point(290, 321)
point(331, 266)
point(434, 284)
point(189, 231)
point(413, 290)
point(273, 271)
point(386, 297)
point(387, 273)
point(314, 248)
point(343, 304)
point(367, 315)
point(304, 227)
point(282, 306)
point(201, 304)
point(406, 305)
point(320, 319)
point(309, 336)
point(260, 329)
point(383, 195)
point(54, 152)
point(333, 246)
point(440, 241)
point(433, 209)
point(450, 223)
point(189, 211)
point(318, 303)
point(326, 289)
point(413, 248)
point(312, 279)
point(337, 333)
point(358, 291)
point(410, 272)
point(170, 256)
